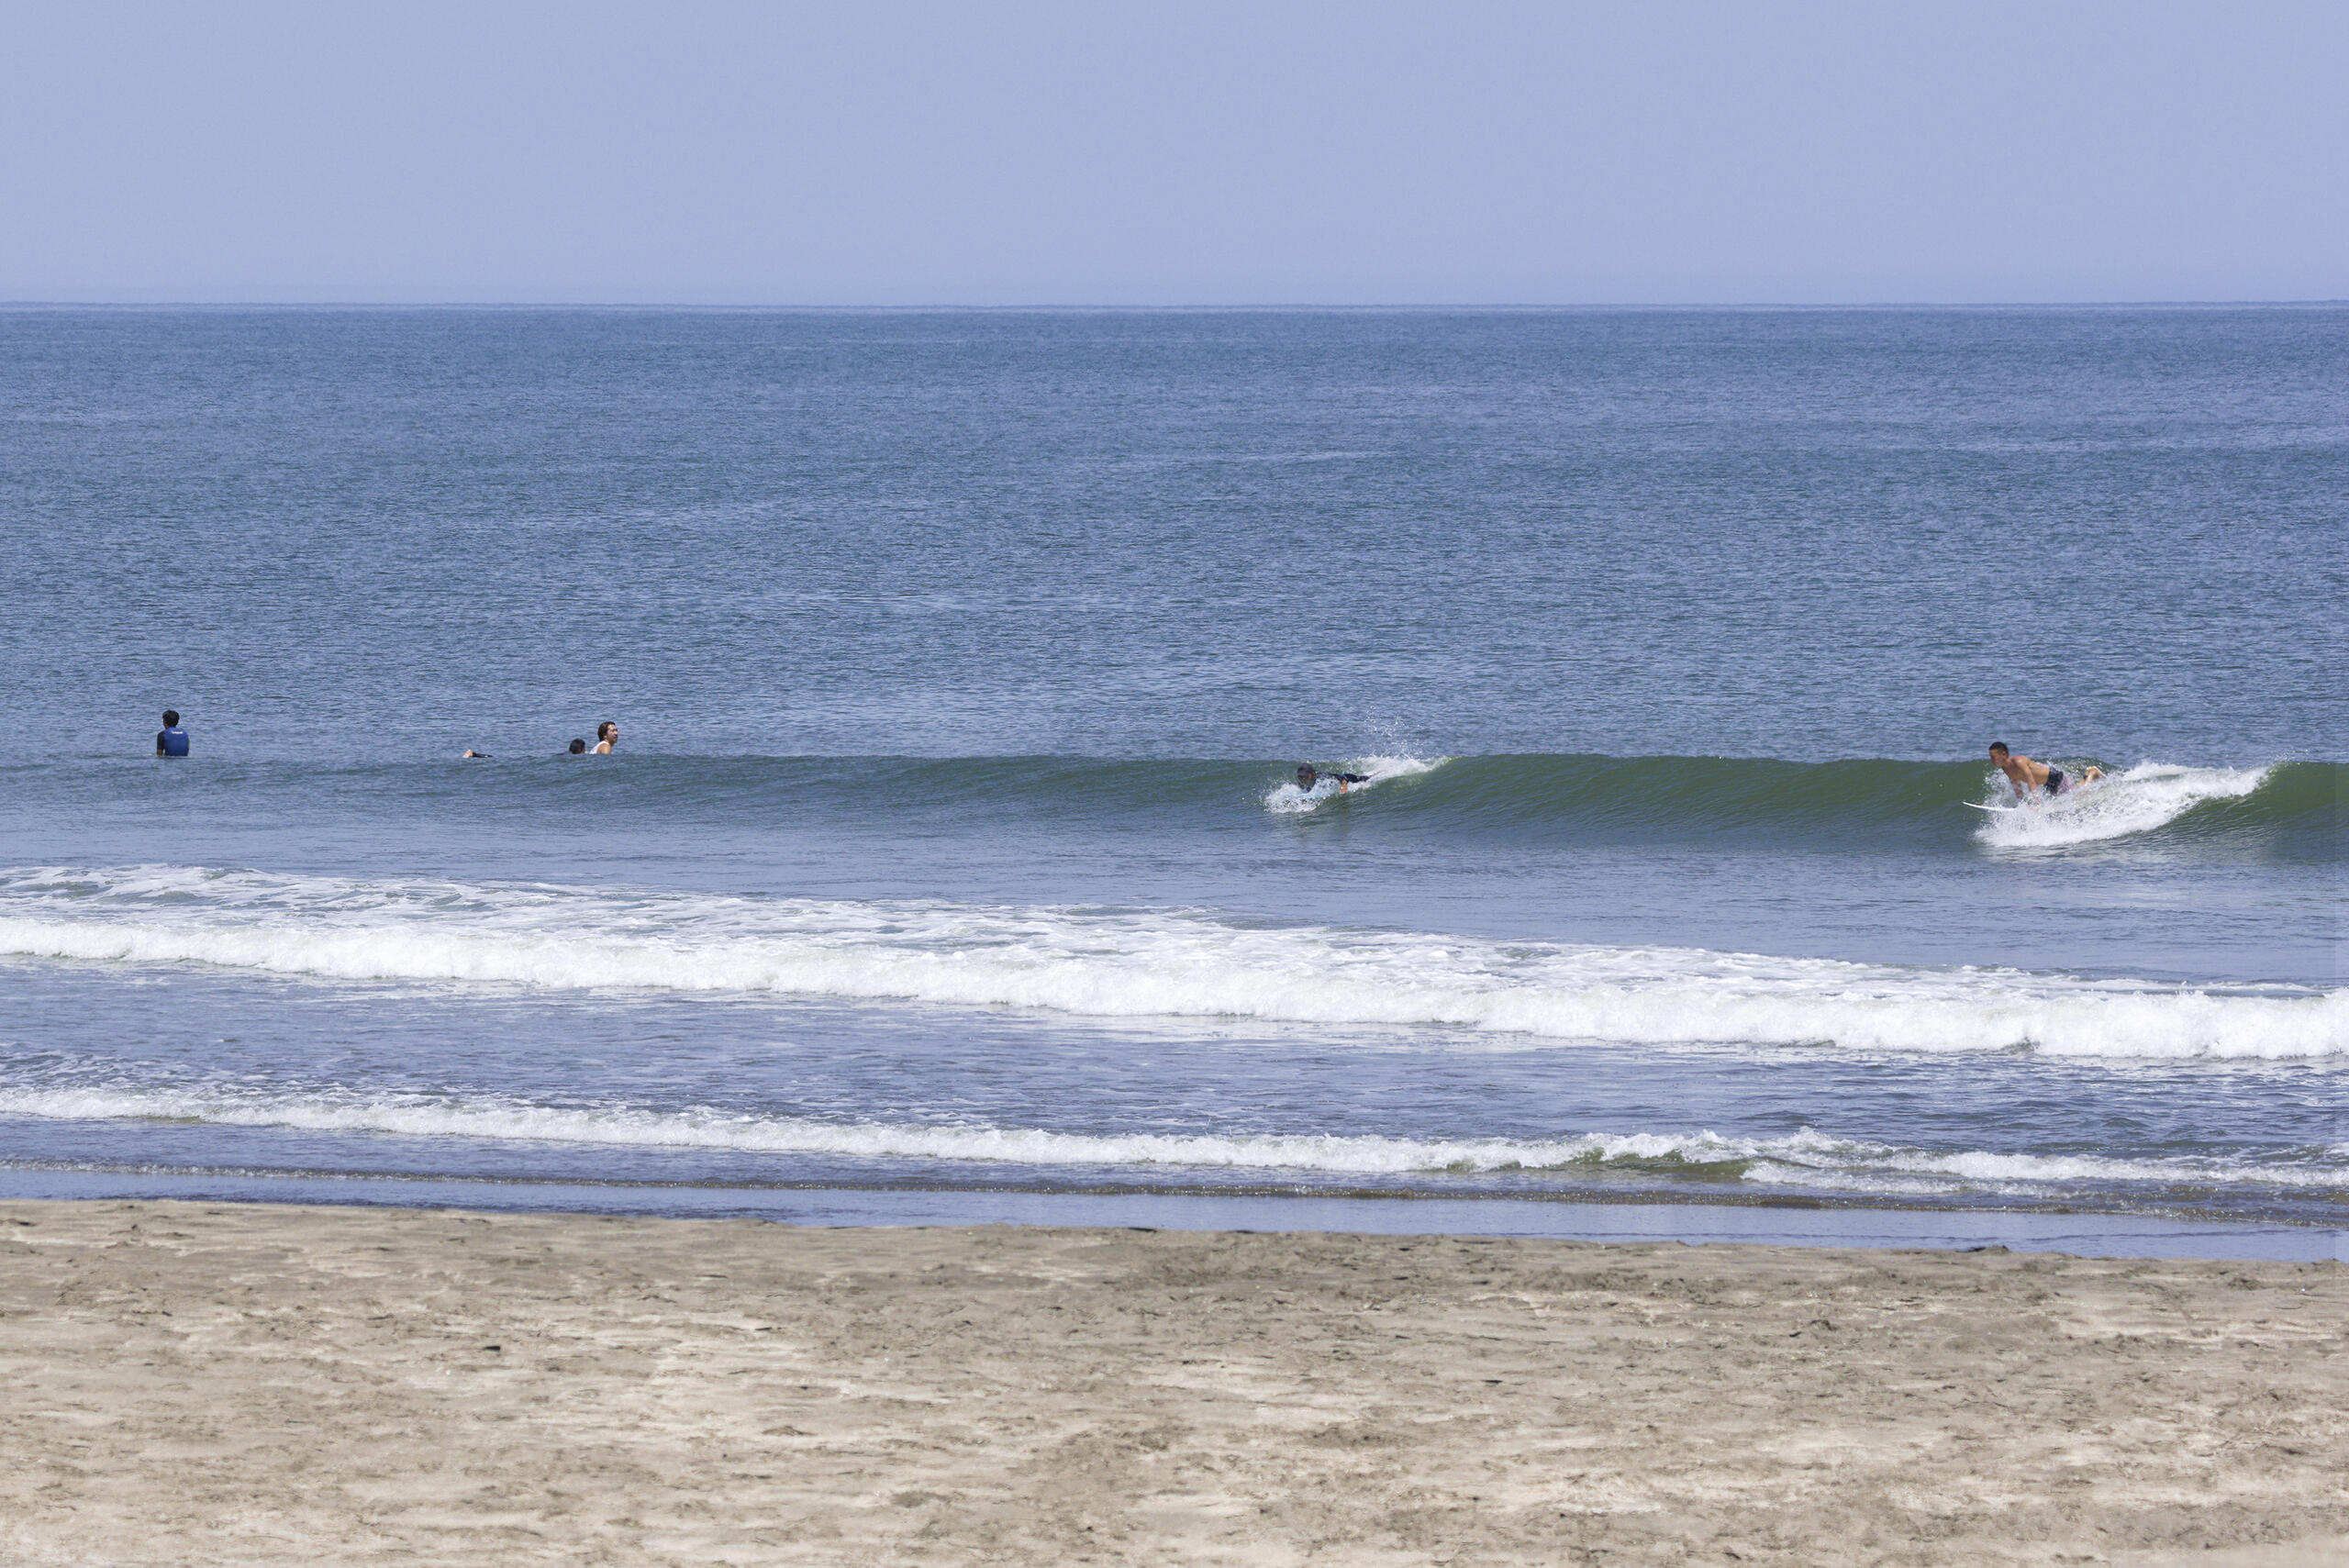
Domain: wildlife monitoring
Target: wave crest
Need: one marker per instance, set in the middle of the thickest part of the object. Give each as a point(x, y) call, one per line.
point(1804, 1159)
point(2139, 800)
point(1286, 800)
point(1122, 964)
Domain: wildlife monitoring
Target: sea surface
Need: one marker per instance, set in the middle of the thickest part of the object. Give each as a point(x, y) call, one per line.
point(950, 863)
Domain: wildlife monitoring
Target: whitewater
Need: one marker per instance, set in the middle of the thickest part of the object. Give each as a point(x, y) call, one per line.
point(1121, 964)
point(2136, 800)
point(1804, 1159)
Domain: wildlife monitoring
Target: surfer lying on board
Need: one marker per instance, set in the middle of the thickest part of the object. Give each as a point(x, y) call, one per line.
point(2042, 778)
point(1307, 777)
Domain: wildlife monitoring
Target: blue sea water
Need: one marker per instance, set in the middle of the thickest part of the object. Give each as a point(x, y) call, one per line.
point(961, 661)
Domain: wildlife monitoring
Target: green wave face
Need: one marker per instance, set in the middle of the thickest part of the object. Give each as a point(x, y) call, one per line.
point(2291, 810)
point(2294, 808)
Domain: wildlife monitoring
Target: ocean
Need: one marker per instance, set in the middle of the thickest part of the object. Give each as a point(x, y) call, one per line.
point(950, 864)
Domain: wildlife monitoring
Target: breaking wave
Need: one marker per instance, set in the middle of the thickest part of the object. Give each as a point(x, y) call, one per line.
point(2295, 808)
point(2137, 800)
point(1121, 963)
point(1806, 1159)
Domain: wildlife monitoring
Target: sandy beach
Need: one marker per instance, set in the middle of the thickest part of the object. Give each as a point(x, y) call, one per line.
point(205, 1384)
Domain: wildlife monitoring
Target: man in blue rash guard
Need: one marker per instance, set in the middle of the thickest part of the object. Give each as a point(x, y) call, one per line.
point(170, 740)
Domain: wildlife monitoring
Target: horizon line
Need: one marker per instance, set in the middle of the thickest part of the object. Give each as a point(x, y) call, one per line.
point(945, 308)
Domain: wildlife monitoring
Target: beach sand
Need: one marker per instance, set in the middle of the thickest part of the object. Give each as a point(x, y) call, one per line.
point(215, 1384)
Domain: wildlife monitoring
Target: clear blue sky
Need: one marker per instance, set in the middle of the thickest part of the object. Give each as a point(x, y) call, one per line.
point(891, 153)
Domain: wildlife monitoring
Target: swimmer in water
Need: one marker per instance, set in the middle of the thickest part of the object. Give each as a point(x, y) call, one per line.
point(1308, 775)
point(607, 735)
point(170, 740)
point(578, 748)
point(2029, 777)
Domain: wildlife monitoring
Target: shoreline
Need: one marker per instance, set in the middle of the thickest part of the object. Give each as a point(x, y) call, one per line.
point(1759, 1221)
point(250, 1383)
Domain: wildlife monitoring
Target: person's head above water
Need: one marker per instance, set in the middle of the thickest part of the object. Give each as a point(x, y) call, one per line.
point(170, 717)
point(578, 748)
point(1306, 776)
point(1998, 749)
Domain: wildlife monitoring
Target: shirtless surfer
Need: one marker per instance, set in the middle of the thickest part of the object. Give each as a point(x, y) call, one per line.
point(2041, 778)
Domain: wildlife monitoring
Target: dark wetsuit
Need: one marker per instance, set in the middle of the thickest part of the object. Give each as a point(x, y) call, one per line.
point(1310, 779)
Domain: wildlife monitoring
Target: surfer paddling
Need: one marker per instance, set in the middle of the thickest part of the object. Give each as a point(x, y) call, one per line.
point(2044, 779)
point(1308, 775)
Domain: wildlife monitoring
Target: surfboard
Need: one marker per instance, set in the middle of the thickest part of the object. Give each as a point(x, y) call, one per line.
point(1979, 807)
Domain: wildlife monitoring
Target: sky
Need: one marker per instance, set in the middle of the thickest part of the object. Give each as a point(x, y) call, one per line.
point(1273, 152)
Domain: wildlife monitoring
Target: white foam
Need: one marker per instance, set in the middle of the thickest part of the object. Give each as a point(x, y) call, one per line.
point(714, 1129)
point(1120, 964)
point(1979, 1169)
point(1285, 799)
point(2135, 801)
point(1804, 1159)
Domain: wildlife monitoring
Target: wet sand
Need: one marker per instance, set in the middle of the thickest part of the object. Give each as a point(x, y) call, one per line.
point(201, 1384)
